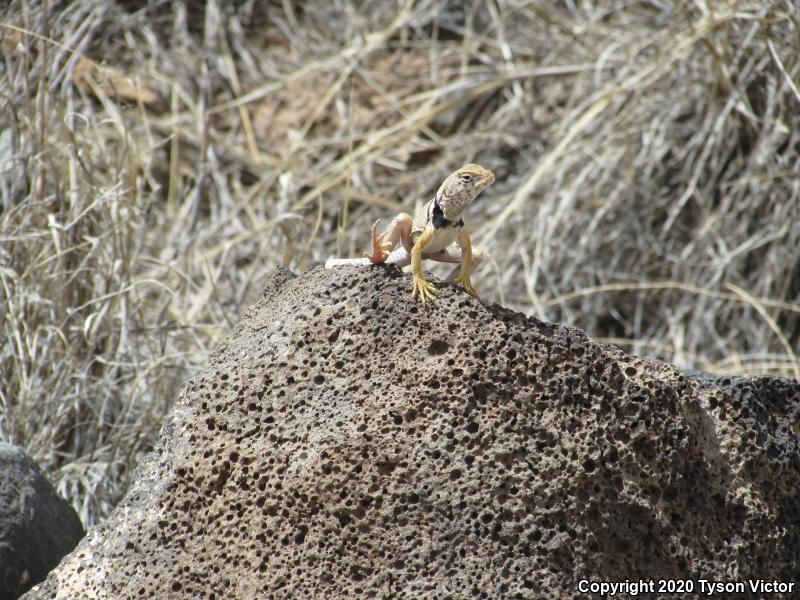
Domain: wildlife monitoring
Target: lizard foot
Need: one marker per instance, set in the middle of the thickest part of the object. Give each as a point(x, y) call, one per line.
point(464, 281)
point(379, 253)
point(425, 289)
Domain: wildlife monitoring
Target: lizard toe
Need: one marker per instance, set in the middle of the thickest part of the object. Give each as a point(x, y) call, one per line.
point(378, 253)
point(426, 290)
point(465, 282)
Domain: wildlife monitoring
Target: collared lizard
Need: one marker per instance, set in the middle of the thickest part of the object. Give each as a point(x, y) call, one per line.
point(431, 233)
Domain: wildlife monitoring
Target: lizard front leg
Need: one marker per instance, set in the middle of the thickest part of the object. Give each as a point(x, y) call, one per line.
point(466, 262)
point(421, 285)
point(381, 245)
point(452, 254)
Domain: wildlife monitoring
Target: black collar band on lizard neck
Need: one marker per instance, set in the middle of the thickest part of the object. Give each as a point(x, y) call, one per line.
point(438, 219)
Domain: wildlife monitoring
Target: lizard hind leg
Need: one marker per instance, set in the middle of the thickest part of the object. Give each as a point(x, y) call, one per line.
point(382, 245)
point(378, 252)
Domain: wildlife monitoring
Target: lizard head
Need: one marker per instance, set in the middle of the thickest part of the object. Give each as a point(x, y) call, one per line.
point(462, 187)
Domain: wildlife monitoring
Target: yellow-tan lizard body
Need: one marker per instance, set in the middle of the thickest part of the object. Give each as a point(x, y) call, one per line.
point(436, 231)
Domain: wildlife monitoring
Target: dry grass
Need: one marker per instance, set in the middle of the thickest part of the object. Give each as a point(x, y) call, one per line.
point(158, 160)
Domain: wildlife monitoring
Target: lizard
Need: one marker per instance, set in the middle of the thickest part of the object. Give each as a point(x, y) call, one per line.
point(436, 231)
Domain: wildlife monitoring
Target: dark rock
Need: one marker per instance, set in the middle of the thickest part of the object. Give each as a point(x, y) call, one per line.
point(350, 442)
point(37, 527)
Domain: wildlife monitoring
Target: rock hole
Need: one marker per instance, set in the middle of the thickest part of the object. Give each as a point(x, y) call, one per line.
point(438, 347)
point(300, 536)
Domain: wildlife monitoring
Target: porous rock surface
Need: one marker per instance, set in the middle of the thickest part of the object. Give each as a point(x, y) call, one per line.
point(347, 442)
point(37, 526)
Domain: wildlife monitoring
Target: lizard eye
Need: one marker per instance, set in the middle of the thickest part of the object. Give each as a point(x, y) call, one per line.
point(466, 177)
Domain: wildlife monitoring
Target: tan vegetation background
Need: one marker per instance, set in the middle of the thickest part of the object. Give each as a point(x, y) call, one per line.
point(158, 158)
